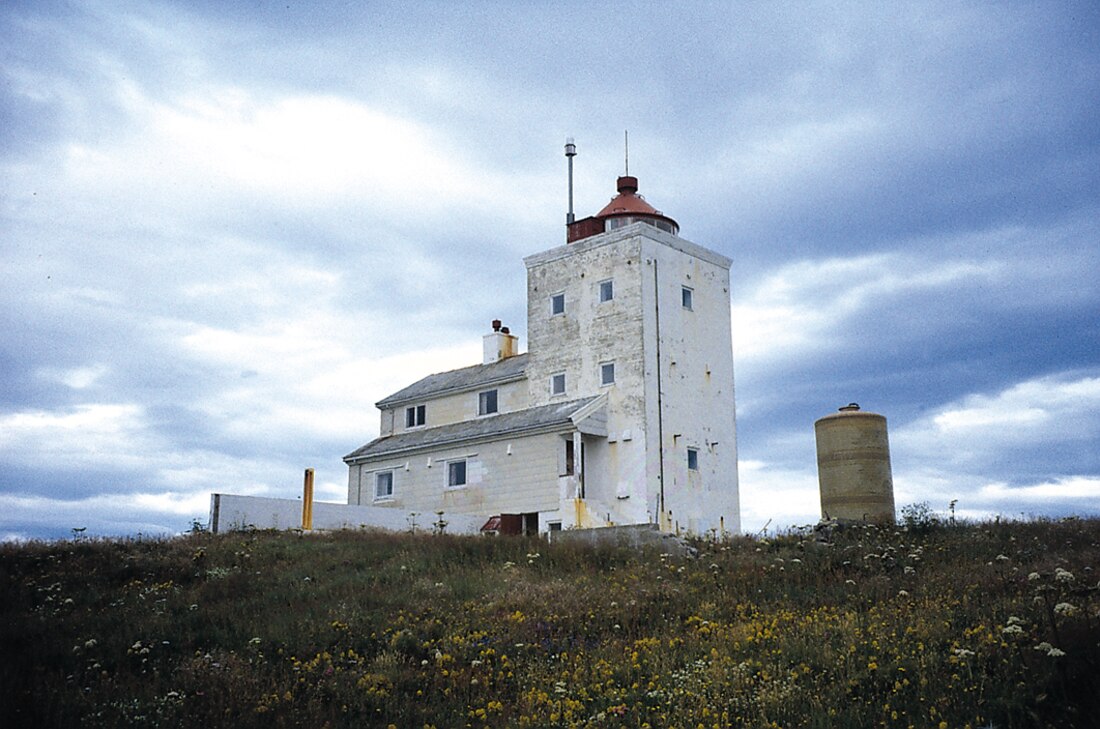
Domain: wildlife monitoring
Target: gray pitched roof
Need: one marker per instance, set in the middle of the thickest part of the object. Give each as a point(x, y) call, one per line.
point(467, 378)
point(520, 421)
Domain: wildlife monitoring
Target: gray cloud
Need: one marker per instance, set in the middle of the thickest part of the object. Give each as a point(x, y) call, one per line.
point(228, 230)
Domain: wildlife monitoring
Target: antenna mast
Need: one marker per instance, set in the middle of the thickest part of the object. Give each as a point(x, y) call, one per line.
point(570, 153)
point(626, 152)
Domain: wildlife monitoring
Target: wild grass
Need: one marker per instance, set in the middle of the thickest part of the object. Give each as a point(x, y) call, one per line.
point(934, 625)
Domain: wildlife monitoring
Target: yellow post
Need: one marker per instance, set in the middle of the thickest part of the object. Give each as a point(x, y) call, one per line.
point(307, 501)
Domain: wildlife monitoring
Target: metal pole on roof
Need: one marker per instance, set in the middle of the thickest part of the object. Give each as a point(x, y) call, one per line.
point(570, 153)
point(626, 153)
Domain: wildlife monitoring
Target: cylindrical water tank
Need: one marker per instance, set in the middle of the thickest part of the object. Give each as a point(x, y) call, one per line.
point(853, 466)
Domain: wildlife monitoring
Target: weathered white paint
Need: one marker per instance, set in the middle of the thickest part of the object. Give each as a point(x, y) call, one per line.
point(672, 390)
point(694, 405)
point(523, 481)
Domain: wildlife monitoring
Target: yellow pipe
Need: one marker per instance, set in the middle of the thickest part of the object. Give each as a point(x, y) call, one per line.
point(307, 501)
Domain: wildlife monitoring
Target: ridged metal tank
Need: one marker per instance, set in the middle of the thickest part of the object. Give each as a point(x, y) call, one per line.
point(853, 466)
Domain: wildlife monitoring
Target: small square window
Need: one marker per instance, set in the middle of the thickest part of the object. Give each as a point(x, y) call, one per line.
point(557, 304)
point(456, 473)
point(487, 402)
point(414, 416)
point(383, 485)
point(686, 296)
point(607, 291)
point(693, 459)
point(557, 384)
point(607, 373)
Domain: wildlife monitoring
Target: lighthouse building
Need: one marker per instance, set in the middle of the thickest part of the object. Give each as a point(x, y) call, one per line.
point(620, 412)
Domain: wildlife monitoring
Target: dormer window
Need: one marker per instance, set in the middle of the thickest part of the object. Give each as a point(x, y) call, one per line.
point(415, 416)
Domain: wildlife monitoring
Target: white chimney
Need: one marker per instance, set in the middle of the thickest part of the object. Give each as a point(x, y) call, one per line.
point(500, 344)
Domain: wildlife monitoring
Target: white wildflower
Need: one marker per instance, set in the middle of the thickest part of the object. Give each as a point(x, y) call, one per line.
point(1055, 653)
point(1065, 608)
point(1062, 575)
point(1001, 558)
point(963, 652)
point(1012, 630)
point(1013, 620)
point(1033, 576)
point(1044, 646)
point(909, 570)
point(903, 593)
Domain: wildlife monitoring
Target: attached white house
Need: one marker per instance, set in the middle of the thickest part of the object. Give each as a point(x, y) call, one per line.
point(620, 412)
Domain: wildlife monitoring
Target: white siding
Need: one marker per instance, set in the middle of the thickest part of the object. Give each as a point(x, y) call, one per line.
point(526, 480)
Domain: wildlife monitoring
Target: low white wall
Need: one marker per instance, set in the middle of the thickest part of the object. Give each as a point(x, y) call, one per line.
point(229, 512)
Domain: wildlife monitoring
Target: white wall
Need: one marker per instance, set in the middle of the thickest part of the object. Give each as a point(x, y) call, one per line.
point(696, 399)
point(696, 381)
point(589, 333)
point(229, 512)
point(510, 475)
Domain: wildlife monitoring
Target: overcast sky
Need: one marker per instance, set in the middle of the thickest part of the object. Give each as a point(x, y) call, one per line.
point(227, 229)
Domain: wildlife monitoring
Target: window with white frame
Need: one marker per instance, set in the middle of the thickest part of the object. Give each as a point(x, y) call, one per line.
point(557, 384)
point(687, 295)
point(383, 485)
point(693, 459)
point(415, 416)
point(607, 373)
point(607, 290)
point(557, 304)
point(456, 473)
point(487, 402)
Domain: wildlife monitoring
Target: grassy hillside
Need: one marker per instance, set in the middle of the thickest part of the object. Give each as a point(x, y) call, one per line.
point(937, 626)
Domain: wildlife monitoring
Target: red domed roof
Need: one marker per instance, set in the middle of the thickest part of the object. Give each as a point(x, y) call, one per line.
point(625, 208)
point(628, 200)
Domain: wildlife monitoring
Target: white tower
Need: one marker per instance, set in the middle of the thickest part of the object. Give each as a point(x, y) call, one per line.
point(629, 310)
